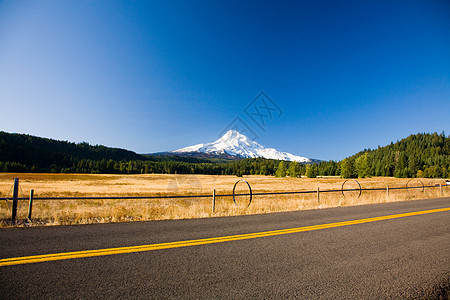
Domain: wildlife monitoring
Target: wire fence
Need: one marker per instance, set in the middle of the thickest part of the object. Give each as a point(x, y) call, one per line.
point(12, 201)
point(251, 193)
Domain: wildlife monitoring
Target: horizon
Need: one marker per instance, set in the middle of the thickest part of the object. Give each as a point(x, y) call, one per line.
point(168, 151)
point(319, 80)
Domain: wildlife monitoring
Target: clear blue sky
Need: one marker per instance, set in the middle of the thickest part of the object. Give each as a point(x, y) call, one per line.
point(152, 76)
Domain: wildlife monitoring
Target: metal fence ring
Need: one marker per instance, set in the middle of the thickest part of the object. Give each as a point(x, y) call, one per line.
point(342, 187)
point(249, 187)
point(437, 182)
point(423, 187)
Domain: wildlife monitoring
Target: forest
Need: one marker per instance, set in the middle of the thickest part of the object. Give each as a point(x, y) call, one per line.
point(418, 155)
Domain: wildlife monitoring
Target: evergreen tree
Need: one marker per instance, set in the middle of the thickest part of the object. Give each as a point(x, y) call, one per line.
point(412, 166)
point(401, 170)
point(263, 170)
point(294, 169)
point(347, 168)
point(311, 171)
point(281, 170)
point(362, 166)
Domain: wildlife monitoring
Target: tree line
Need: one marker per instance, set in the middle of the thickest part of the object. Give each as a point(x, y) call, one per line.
point(419, 155)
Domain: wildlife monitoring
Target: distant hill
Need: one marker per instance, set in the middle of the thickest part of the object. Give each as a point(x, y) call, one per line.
point(27, 153)
point(42, 153)
point(418, 155)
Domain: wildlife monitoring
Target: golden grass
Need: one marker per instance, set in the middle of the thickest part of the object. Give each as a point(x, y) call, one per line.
point(56, 212)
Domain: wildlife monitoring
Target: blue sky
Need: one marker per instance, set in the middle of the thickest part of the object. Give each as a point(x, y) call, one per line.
point(152, 76)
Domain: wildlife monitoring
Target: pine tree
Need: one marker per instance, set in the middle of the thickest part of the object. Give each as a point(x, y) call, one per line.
point(294, 169)
point(281, 170)
point(362, 166)
point(263, 170)
point(311, 171)
point(347, 169)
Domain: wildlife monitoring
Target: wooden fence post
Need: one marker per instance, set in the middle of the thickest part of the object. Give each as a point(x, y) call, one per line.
point(30, 205)
point(440, 186)
point(214, 201)
point(318, 195)
point(14, 204)
point(387, 192)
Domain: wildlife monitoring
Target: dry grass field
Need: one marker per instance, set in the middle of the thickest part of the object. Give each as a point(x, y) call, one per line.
point(57, 212)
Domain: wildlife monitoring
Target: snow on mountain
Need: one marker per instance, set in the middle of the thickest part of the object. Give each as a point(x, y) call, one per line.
point(237, 144)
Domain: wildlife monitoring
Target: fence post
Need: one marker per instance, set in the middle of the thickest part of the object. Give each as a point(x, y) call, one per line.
point(387, 192)
point(214, 201)
point(318, 195)
point(15, 196)
point(30, 205)
point(440, 186)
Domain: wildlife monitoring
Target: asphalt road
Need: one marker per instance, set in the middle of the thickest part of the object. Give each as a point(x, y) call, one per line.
point(405, 257)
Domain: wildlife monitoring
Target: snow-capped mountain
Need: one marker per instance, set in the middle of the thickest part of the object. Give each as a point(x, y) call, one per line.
point(236, 144)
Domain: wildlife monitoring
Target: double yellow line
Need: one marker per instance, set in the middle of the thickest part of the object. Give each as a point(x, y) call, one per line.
point(188, 243)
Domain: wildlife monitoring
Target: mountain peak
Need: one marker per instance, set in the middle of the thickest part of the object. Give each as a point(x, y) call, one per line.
point(232, 133)
point(234, 137)
point(235, 143)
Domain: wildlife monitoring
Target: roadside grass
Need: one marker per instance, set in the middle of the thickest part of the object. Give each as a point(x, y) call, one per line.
point(67, 212)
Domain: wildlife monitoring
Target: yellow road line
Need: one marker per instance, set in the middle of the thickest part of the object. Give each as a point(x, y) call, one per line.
point(151, 247)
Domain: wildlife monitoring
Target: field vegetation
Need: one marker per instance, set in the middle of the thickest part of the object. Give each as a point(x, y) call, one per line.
point(61, 212)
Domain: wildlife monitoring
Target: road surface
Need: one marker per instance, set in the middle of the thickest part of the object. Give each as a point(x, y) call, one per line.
point(385, 252)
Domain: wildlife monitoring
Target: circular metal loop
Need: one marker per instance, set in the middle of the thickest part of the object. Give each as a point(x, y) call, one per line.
point(249, 187)
point(407, 187)
point(437, 182)
point(360, 189)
